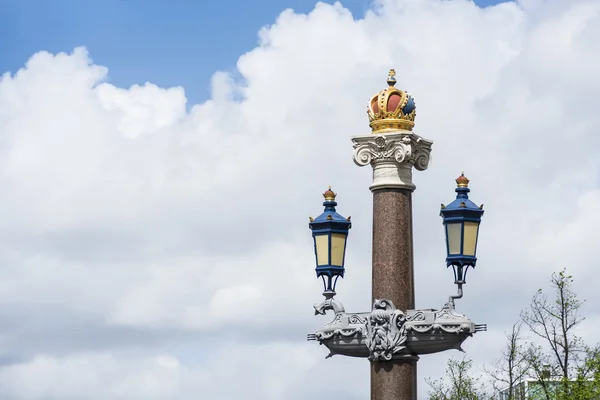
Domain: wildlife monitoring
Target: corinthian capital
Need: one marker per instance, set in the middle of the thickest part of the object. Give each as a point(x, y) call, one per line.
point(392, 157)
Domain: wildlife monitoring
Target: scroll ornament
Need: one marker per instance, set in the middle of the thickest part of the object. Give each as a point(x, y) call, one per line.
point(399, 148)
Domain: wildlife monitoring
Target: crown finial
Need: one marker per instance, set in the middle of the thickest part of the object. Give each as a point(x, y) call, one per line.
point(391, 80)
point(391, 109)
point(329, 195)
point(462, 181)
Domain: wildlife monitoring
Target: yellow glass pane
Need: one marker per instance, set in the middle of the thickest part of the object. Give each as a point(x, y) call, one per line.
point(322, 244)
point(454, 236)
point(470, 238)
point(338, 242)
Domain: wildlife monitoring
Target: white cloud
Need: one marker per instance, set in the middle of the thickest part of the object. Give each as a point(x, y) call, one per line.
point(143, 109)
point(84, 376)
point(275, 370)
point(130, 224)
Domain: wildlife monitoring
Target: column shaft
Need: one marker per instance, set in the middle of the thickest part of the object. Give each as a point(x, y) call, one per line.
point(393, 247)
point(393, 280)
point(394, 380)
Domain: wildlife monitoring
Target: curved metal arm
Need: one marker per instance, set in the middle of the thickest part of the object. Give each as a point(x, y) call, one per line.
point(459, 295)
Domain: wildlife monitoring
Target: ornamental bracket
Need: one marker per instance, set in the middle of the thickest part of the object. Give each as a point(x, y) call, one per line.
point(387, 334)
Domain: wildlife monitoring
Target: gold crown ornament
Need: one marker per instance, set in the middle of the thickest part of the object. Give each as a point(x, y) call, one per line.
point(391, 109)
point(329, 195)
point(462, 181)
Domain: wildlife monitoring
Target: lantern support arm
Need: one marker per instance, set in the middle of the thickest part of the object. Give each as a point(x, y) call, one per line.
point(329, 304)
point(459, 295)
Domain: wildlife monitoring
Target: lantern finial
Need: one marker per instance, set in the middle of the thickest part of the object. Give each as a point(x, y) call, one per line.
point(462, 181)
point(329, 195)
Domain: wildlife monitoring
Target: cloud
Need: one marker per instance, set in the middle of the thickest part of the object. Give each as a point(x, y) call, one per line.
point(155, 250)
point(163, 376)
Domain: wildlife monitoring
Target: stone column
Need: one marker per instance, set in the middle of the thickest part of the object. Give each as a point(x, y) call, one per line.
point(392, 156)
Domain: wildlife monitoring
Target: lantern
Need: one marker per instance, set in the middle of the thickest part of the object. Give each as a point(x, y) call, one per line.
point(461, 222)
point(330, 232)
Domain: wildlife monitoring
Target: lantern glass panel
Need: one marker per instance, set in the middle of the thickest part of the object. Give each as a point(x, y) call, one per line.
point(338, 244)
point(454, 236)
point(470, 238)
point(322, 247)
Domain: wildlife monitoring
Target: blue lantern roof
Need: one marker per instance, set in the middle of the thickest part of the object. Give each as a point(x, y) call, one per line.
point(462, 208)
point(330, 220)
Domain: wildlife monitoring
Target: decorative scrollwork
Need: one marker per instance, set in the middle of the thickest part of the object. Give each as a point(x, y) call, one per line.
point(321, 336)
point(419, 328)
point(380, 149)
point(403, 152)
point(399, 147)
point(422, 158)
point(418, 316)
point(362, 155)
point(392, 156)
point(357, 319)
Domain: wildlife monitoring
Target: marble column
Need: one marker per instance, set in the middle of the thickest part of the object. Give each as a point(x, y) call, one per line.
point(393, 156)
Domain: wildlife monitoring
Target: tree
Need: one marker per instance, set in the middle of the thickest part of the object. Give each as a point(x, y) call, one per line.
point(555, 321)
point(458, 385)
point(512, 366)
point(587, 384)
point(564, 368)
point(541, 370)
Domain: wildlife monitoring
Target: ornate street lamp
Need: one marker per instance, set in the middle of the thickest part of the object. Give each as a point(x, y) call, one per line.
point(330, 232)
point(461, 222)
point(393, 338)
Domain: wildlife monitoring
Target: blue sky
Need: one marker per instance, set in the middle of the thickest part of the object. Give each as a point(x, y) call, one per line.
point(169, 43)
point(149, 253)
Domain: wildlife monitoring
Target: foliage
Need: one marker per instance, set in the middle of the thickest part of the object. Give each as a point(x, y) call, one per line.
point(458, 385)
point(555, 322)
point(586, 386)
point(562, 368)
point(512, 366)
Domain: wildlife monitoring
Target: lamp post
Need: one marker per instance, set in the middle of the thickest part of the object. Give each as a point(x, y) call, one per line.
point(330, 232)
point(461, 226)
point(393, 334)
